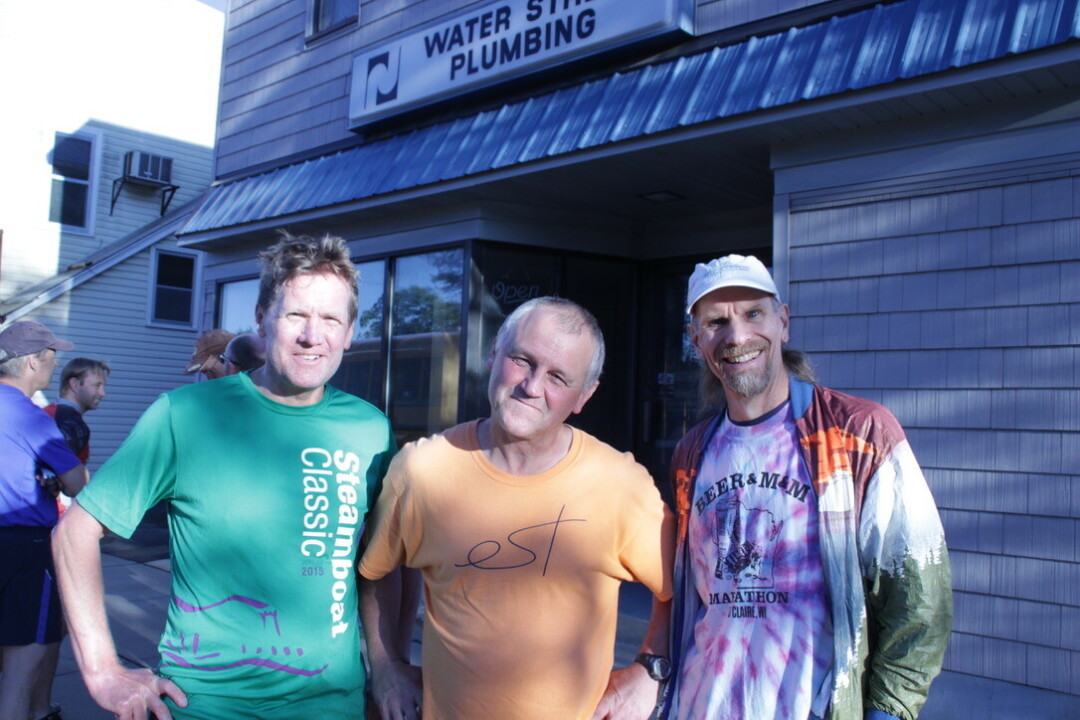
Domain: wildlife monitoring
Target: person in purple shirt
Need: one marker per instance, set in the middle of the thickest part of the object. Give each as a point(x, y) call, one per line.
point(30, 444)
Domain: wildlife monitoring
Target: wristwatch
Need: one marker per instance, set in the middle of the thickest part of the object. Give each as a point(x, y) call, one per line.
point(659, 667)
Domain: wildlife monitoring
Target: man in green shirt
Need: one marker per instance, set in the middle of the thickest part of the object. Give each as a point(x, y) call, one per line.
point(269, 476)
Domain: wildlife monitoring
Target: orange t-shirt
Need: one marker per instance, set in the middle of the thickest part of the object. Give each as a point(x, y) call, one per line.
point(521, 573)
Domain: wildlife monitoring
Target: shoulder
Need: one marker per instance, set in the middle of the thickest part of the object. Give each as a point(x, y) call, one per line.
point(66, 413)
point(25, 415)
point(600, 450)
point(435, 455)
point(354, 406)
point(195, 392)
point(616, 465)
point(350, 401)
point(691, 443)
point(855, 415)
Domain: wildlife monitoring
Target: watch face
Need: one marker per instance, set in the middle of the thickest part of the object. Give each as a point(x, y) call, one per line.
point(659, 667)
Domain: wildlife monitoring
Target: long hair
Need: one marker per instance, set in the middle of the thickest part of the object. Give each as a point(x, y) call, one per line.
point(711, 390)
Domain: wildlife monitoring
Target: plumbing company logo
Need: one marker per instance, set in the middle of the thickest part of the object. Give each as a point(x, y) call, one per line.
point(498, 42)
point(383, 77)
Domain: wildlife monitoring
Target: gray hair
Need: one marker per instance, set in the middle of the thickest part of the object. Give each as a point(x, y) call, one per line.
point(570, 317)
point(296, 255)
point(711, 390)
point(15, 367)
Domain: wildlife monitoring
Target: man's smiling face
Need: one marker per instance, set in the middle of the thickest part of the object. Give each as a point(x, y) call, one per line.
point(740, 333)
point(307, 329)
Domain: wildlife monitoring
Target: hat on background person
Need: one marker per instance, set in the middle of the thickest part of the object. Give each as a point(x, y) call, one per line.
point(208, 347)
point(728, 271)
point(27, 337)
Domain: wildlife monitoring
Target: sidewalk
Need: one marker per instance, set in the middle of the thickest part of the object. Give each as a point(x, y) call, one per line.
point(137, 597)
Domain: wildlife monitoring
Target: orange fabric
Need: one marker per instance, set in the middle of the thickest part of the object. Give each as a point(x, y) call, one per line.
point(834, 448)
point(522, 572)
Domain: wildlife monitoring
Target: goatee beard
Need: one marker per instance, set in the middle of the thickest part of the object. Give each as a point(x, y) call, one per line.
point(746, 385)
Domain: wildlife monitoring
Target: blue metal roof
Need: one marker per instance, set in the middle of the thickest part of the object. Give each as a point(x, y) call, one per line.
point(868, 48)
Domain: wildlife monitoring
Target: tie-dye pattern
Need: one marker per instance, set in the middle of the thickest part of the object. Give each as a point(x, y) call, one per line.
point(882, 548)
point(763, 638)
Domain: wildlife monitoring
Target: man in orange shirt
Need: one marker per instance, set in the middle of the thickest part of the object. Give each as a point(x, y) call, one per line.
point(523, 527)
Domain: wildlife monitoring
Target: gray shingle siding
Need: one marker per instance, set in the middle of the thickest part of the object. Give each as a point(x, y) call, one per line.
point(956, 306)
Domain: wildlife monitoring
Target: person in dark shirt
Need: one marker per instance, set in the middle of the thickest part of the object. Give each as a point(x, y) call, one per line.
point(82, 388)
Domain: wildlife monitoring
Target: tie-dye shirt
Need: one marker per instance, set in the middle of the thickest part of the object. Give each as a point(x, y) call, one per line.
point(763, 639)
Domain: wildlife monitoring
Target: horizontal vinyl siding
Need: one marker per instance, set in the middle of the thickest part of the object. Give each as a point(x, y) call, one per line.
point(282, 95)
point(106, 319)
point(136, 206)
point(957, 308)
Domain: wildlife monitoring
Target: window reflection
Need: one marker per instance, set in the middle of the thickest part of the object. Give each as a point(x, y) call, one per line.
point(361, 371)
point(425, 356)
point(238, 300)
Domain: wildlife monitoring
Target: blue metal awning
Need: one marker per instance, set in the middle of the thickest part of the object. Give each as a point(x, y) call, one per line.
point(873, 47)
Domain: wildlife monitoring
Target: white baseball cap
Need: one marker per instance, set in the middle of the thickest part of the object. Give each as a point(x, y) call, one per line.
point(728, 271)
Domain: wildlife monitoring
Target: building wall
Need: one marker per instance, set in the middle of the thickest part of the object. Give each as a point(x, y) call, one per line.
point(136, 206)
point(106, 319)
point(943, 280)
point(35, 248)
point(140, 75)
point(282, 94)
point(150, 65)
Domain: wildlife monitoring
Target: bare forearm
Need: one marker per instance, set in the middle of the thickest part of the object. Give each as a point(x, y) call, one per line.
point(388, 610)
point(388, 615)
point(77, 555)
point(655, 641)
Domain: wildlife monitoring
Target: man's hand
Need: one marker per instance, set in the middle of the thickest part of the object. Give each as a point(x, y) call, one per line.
point(396, 690)
point(133, 694)
point(51, 483)
point(630, 695)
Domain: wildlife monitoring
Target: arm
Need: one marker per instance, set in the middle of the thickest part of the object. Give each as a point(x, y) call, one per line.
point(388, 608)
point(74, 480)
point(908, 586)
point(631, 693)
point(130, 694)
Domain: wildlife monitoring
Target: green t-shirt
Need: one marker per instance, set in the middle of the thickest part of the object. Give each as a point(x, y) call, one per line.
point(266, 503)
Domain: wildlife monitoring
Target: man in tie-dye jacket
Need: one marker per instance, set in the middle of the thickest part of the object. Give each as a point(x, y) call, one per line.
point(811, 578)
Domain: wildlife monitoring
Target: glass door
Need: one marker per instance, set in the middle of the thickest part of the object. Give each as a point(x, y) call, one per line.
point(668, 377)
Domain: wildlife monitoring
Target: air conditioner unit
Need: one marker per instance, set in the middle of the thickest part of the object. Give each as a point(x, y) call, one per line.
point(147, 169)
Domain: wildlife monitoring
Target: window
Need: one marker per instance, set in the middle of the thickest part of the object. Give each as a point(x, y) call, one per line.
point(238, 299)
point(327, 15)
point(72, 161)
point(363, 369)
point(173, 291)
point(425, 329)
point(405, 355)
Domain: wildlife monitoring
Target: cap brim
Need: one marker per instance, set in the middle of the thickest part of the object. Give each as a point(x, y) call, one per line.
point(63, 345)
point(719, 286)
